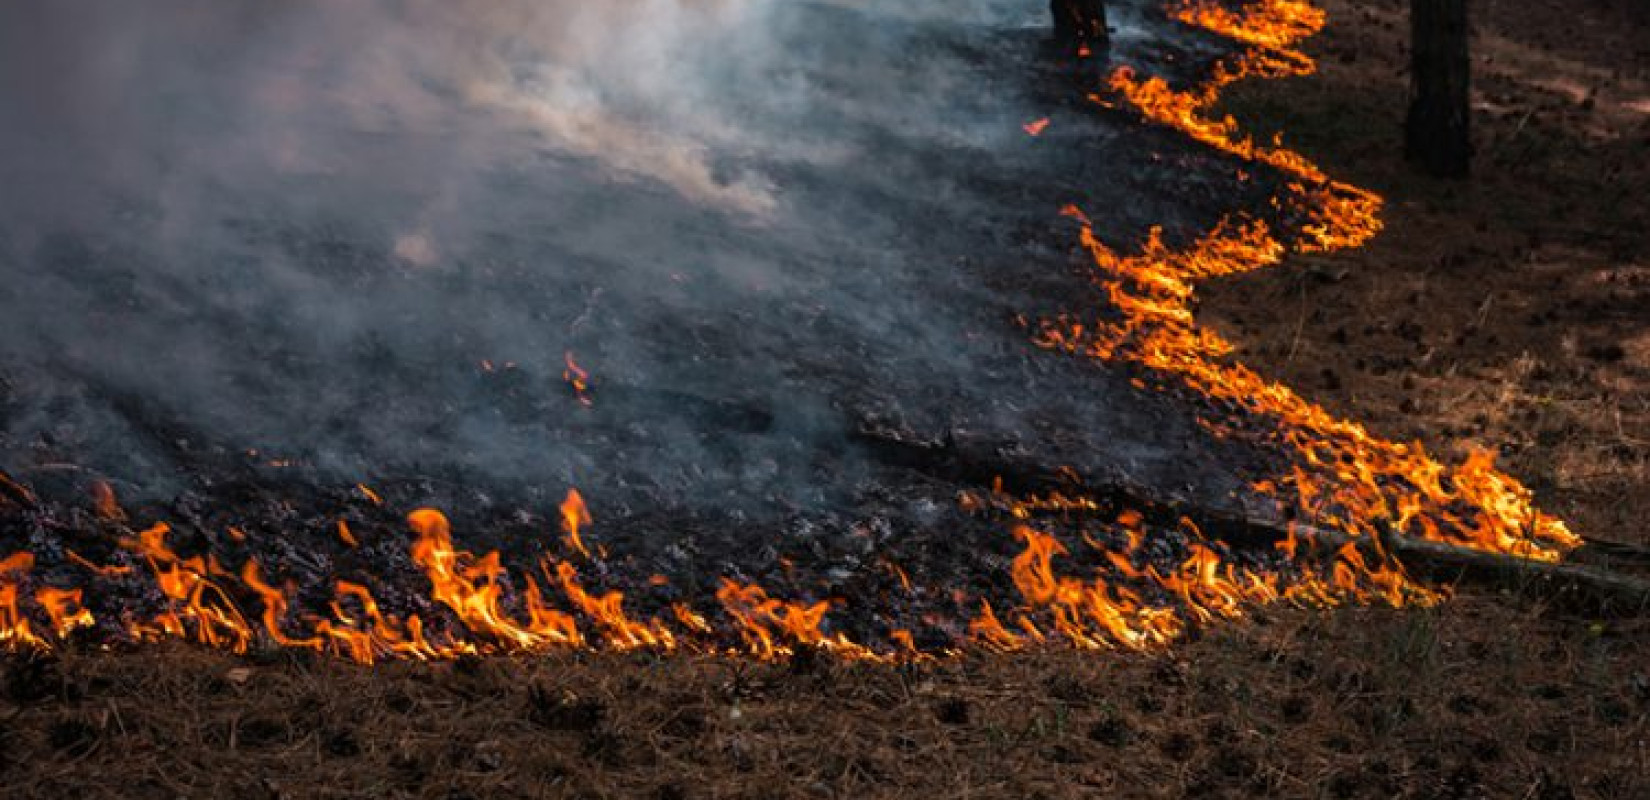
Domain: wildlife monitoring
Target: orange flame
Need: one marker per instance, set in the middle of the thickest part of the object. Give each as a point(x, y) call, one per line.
point(575, 515)
point(197, 606)
point(1343, 476)
point(1350, 479)
point(470, 587)
point(577, 378)
point(15, 630)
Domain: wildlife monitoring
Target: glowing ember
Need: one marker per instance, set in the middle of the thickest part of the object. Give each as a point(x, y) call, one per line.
point(578, 379)
point(1037, 127)
point(346, 535)
point(105, 502)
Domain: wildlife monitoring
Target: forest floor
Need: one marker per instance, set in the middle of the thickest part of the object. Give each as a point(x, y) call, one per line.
point(1511, 311)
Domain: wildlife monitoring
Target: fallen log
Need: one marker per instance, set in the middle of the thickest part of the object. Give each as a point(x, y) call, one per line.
point(16, 493)
point(1580, 587)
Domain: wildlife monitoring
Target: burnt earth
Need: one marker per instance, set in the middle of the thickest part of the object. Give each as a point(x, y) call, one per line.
point(812, 435)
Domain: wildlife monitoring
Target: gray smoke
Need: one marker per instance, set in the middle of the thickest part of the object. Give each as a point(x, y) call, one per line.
point(364, 234)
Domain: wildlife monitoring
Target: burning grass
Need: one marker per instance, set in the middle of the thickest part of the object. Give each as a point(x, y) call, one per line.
point(1342, 476)
point(1482, 696)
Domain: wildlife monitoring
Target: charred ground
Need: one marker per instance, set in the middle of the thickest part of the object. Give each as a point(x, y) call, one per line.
point(791, 396)
point(1491, 695)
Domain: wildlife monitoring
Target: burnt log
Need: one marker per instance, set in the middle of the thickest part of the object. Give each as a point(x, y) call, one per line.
point(1080, 24)
point(1437, 132)
point(1579, 587)
point(1591, 589)
point(16, 493)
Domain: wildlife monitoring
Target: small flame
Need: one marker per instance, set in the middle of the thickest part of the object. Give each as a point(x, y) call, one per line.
point(16, 633)
point(1037, 127)
point(574, 515)
point(577, 378)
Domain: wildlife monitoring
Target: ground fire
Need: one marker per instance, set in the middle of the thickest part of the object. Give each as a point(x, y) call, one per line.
point(885, 529)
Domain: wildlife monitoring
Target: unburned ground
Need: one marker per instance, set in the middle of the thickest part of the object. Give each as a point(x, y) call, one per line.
point(1489, 697)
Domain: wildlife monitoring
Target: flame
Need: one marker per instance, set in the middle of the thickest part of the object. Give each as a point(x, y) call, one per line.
point(15, 630)
point(575, 515)
point(1266, 23)
point(197, 607)
point(577, 378)
point(470, 587)
point(64, 608)
point(771, 627)
point(1100, 613)
point(1343, 477)
point(1347, 478)
point(622, 632)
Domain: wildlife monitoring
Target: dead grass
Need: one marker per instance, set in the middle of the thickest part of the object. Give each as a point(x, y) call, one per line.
point(1475, 700)
point(1504, 312)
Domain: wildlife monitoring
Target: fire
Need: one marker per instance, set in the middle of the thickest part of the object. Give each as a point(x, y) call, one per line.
point(494, 611)
point(1102, 613)
point(773, 627)
point(575, 515)
point(1348, 478)
point(1268, 23)
point(15, 629)
point(1343, 477)
point(346, 535)
point(578, 379)
point(197, 606)
point(471, 588)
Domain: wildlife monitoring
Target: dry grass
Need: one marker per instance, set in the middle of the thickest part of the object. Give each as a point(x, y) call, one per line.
point(1505, 312)
point(1475, 700)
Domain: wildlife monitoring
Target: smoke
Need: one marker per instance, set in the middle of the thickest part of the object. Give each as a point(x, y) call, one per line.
point(364, 236)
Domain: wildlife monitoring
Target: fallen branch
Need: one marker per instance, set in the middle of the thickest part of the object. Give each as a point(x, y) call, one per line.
point(1585, 588)
point(16, 492)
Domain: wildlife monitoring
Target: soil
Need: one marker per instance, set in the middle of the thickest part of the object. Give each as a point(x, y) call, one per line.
point(1509, 311)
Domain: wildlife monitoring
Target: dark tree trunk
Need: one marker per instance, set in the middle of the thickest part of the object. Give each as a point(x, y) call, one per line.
point(1437, 135)
point(1079, 24)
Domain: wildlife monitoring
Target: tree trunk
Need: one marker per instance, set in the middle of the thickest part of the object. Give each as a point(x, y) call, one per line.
point(1080, 24)
point(1437, 135)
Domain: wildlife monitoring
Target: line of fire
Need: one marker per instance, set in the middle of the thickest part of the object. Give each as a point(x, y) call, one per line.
point(507, 348)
